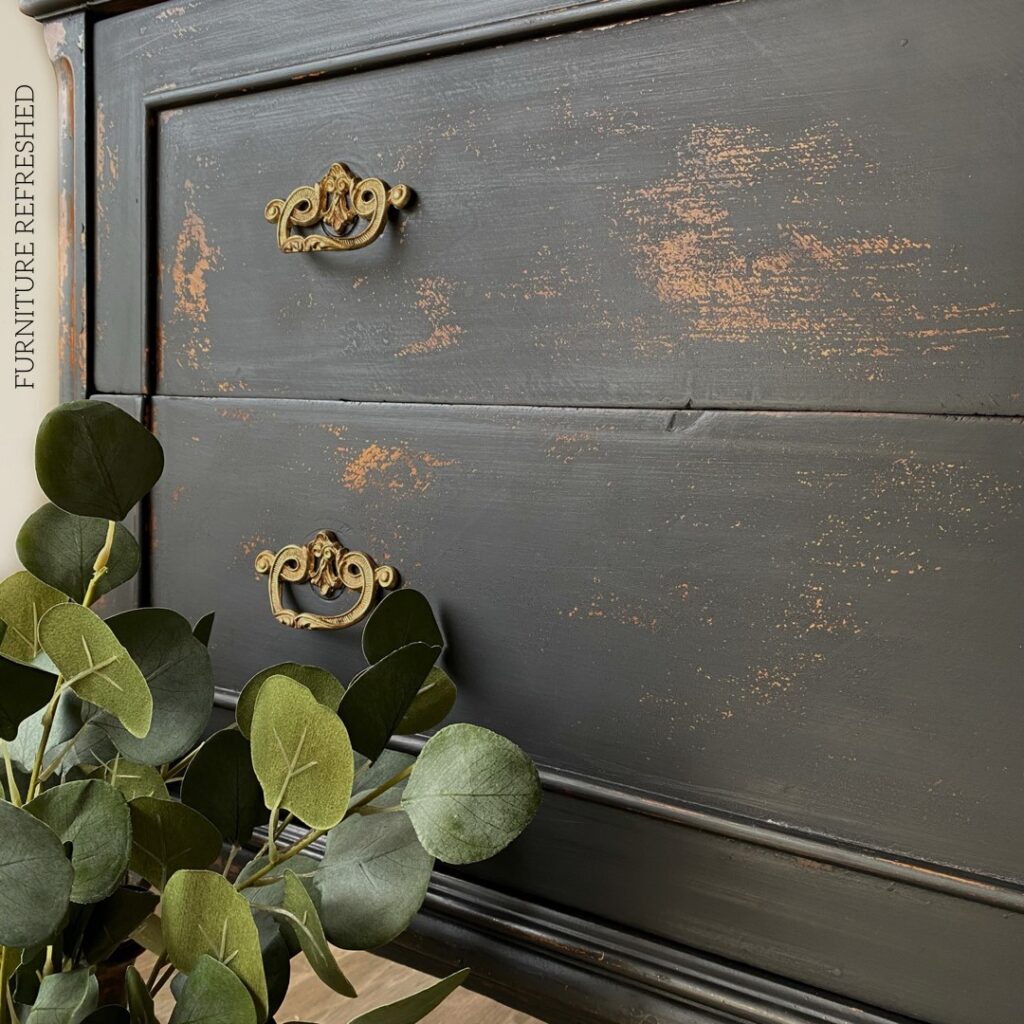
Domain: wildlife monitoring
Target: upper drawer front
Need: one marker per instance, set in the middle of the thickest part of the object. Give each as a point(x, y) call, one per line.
point(782, 204)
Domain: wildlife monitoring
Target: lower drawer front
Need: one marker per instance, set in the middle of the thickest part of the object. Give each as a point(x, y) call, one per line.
point(750, 611)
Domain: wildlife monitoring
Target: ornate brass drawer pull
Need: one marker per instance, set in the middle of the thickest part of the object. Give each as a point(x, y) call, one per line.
point(336, 203)
point(325, 564)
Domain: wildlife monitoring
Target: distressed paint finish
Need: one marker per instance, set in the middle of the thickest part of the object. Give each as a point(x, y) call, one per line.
point(723, 207)
point(724, 634)
point(754, 612)
point(65, 45)
point(750, 610)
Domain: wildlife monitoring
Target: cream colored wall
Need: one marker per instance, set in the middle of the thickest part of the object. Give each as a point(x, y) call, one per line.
point(24, 61)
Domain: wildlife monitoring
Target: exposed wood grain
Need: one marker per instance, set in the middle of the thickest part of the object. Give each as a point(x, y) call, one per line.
point(759, 613)
point(65, 46)
point(730, 206)
point(378, 981)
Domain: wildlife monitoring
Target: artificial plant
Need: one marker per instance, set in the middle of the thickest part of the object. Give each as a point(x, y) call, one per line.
point(123, 828)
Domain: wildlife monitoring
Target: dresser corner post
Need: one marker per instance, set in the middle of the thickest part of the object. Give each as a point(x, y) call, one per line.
point(67, 43)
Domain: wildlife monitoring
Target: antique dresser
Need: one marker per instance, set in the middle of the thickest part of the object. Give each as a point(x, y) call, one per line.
point(685, 378)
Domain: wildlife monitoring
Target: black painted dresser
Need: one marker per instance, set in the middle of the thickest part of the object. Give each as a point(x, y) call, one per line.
point(688, 385)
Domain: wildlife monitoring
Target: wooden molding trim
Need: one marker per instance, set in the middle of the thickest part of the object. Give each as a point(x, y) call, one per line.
point(571, 970)
point(43, 10)
point(930, 877)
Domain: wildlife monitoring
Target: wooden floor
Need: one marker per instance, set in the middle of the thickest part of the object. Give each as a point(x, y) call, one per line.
point(377, 981)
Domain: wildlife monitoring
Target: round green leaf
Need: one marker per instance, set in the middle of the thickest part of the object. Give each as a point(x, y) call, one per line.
point(204, 628)
point(378, 698)
point(301, 753)
point(93, 459)
point(167, 836)
point(35, 879)
point(213, 994)
point(415, 1007)
point(203, 915)
point(430, 706)
point(24, 601)
point(403, 617)
point(277, 960)
point(94, 818)
point(114, 919)
point(372, 880)
point(299, 911)
point(470, 794)
point(177, 670)
point(140, 1002)
point(220, 783)
point(96, 666)
point(23, 691)
point(325, 688)
point(60, 549)
point(67, 997)
point(133, 780)
point(66, 724)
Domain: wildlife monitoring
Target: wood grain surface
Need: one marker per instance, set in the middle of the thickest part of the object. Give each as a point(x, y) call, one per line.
point(378, 981)
point(752, 205)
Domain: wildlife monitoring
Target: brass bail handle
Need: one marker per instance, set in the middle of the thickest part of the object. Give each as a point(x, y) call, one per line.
point(329, 567)
point(335, 204)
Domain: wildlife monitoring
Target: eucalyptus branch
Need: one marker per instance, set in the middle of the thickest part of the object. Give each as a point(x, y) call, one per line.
point(235, 847)
point(371, 795)
point(164, 978)
point(99, 567)
point(286, 854)
point(12, 783)
point(157, 965)
point(48, 716)
point(169, 774)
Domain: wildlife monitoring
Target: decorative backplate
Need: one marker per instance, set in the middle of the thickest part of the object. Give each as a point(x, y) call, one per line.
point(336, 203)
point(329, 567)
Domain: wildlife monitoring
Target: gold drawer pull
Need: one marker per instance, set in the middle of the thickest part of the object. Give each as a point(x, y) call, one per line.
point(336, 203)
point(323, 563)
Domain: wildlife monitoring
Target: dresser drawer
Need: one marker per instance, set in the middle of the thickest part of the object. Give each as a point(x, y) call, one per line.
point(744, 611)
point(731, 207)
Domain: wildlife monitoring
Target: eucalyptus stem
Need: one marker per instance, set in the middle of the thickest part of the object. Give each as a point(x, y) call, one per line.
point(99, 567)
point(286, 854)
point(48, 716)
point(369, 797)
point(12, 784)
point(159, 963)
point(235, 847)
point(170, 773)
point(164, 978)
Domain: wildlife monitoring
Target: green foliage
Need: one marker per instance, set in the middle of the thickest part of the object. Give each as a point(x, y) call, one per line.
point(301, 754)
point(24, 600)
point(220, 783)
point(96, 666)
point(101, 720)
point(140, 1002)
point(470, 794)
point(372, 880)
point(301, 914)
point(93, 459)
point(431, 705)
point(66, 998)
point(23, 692)
point(203, 915)
point(403, 617)
point(93, 817)
point(322, 684)
point(167, 836)
point(113, 920)
point(212, 994)
point(177, 669)
point(378, 698)
point(415, 1007)
point(35, 879)
point(60, 549)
